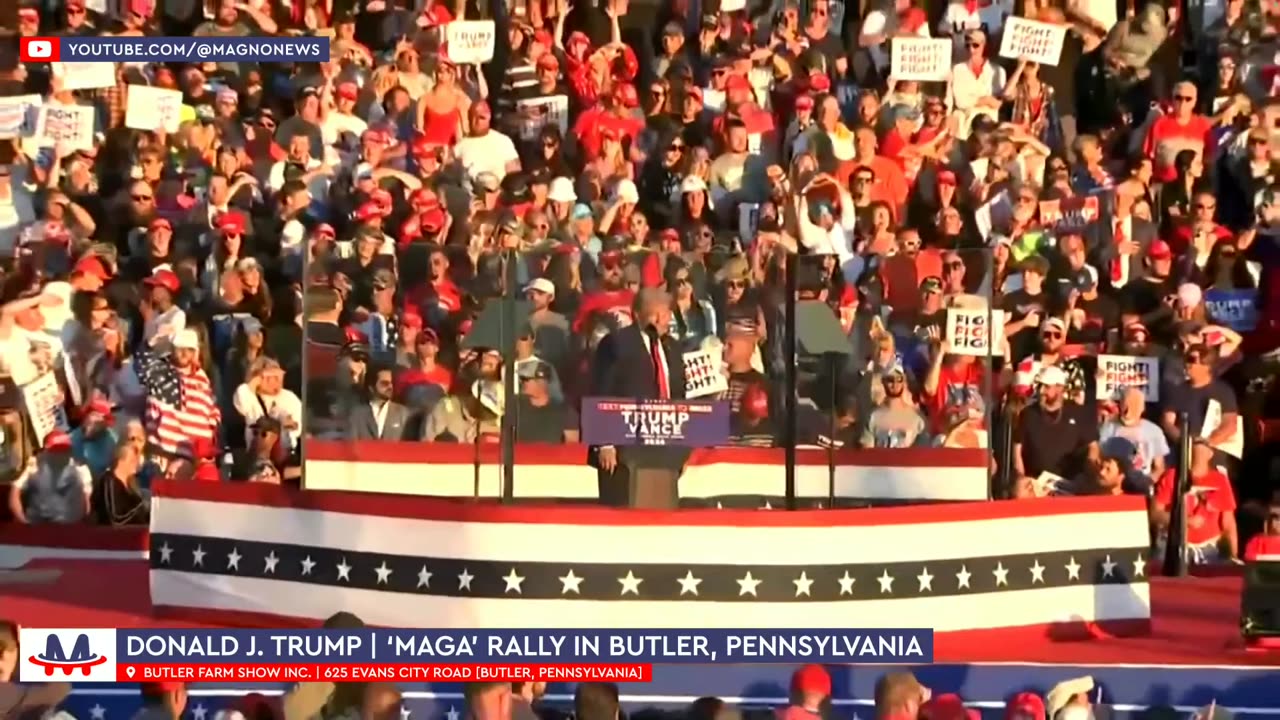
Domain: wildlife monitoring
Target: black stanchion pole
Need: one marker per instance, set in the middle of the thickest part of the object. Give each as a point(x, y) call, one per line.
point(833, 367)
point(789, 360)
point(507, 487)
point(1175, 549)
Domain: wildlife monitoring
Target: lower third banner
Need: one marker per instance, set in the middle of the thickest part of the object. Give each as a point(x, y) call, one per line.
point(683, 423)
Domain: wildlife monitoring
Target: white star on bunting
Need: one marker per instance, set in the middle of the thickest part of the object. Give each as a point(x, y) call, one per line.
point(424, 577)
point(513, 582)
point(344, 570)
point(846, 583)
point(97, 712)
point(199, 712)
point(1139, 566)
point(1108, 567)
point(886, 582)
point(570, 583)
point(308, 565)
point(166, 553)
point(689, 584)
point(1037, 572)
point(1073, 569)
point(747, 585)
point(1002, 574)
point(802, 583)
point(405, 713)
point(197, 556)
point(384, 573)
point(233, 559)
point(464, 580)
point(926, 580)
point(630, 583)
point(962, 577)
point(452, 714)
point(271, 562)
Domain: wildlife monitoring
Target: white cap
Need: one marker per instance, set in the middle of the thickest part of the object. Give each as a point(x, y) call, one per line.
point(1052, 375)
point(561, 190)
point(186, 338)
point(541, 285)
point(1190, 294)
point(364, 171)
point(693, 183)
point(627, 192)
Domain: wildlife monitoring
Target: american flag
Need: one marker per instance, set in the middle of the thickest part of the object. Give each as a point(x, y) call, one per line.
point(180, 404)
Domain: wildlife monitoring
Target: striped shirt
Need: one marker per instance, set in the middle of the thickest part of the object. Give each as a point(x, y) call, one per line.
point(173, 428)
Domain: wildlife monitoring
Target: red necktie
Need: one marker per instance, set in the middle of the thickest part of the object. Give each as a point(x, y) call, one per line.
point(655, 350)
point(1117, 270)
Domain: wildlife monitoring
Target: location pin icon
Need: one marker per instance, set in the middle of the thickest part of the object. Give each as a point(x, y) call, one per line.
point(129, 671)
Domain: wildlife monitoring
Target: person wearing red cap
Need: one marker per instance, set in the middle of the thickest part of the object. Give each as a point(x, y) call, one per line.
point(54, 487)
point(162, 701)
point(810, 684)
point(94, 441)
point(485, 149)
point(614, 111)
point(342, 117)
point(163, 317)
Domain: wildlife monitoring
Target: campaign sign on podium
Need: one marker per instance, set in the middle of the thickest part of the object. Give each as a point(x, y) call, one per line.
point(635, 421)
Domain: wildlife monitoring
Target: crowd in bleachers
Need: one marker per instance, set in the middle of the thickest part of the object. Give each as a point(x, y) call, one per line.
point(324, 250)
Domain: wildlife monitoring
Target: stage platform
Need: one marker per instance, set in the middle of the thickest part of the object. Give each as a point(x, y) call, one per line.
point(1192, 657)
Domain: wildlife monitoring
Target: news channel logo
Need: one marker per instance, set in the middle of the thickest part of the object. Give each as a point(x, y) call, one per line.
point(79, 654)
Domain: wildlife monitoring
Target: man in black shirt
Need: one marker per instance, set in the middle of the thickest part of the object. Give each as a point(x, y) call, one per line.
point(1053, 435)
point(538, 418)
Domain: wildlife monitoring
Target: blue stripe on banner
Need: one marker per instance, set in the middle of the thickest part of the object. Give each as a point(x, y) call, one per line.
point(1247, 691)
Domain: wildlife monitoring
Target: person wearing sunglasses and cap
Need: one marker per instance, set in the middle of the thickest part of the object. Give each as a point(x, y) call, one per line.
point(1054, 435)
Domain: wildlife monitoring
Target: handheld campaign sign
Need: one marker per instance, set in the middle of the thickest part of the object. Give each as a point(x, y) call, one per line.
point(71, 125)
point(1117, 373)
point(702, 375)
point(924, 59)
point(1237, 309)
point(1036, 41)
point(679, 423)
point(969, 334)
point(151, 108)
point(470, 41)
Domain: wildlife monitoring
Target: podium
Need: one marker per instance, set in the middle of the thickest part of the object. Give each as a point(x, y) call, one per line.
point(1260, 604)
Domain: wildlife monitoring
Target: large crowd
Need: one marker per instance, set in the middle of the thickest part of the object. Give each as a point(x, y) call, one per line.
point(329, 245)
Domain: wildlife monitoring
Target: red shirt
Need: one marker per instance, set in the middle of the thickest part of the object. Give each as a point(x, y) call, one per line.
point(1182, 238)
point(413, 377)
point(890, 184)
point(956, 386)
point(593, 121)
point(602, 301)
point(1261, 545)
point(1210, 497)
point(1167, 127)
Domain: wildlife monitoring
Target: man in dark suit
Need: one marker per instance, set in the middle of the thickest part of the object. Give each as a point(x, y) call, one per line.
point(381, 418)
point(642, 362)
point(1119, 241)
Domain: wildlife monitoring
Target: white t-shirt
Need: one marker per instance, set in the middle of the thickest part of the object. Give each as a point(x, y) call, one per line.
point(318, 186)
point(16, 210)
point(487, 153)
point(336, 123)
